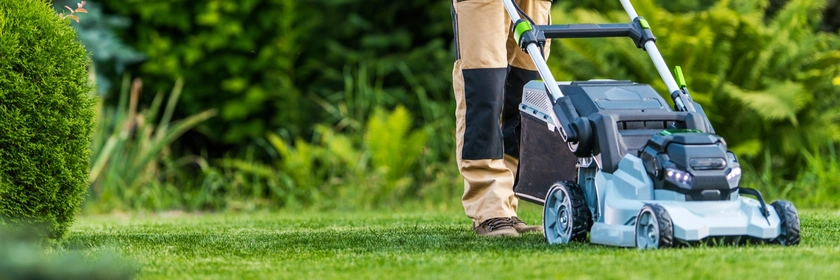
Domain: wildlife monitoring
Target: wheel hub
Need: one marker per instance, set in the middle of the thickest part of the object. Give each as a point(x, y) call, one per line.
point(651, 234)
point(563, 218)
point(647, 235)
point(559, 222)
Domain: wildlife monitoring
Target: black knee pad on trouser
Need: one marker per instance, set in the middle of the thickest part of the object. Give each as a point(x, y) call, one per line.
point(484, 97)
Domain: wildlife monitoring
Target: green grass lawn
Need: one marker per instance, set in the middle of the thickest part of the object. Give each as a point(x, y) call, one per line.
point(426, 245)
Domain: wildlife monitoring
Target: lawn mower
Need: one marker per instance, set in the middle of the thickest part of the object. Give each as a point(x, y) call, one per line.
point(611, 160)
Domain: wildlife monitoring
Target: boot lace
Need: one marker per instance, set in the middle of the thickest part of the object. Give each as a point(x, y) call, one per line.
point(496, 223)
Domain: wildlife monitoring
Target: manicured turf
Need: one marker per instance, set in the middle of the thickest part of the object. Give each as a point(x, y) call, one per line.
point(425, 245)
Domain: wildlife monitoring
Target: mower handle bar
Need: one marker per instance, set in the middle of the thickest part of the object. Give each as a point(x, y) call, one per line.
point(551, 83)
point(653, 51)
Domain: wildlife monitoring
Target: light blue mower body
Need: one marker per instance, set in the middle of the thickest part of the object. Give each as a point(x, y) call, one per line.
point(613, 162)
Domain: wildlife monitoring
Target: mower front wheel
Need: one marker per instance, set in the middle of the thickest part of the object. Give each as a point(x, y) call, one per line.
point(654, 228)
point(789, 223)
point(566, 217)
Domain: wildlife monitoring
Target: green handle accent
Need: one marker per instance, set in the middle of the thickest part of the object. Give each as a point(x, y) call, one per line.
point(672, 131)
point(644, 23)
point(521, 27)
point(680, 78)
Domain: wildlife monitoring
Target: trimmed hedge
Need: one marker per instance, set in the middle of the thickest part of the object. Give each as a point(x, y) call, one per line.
point(46, 118)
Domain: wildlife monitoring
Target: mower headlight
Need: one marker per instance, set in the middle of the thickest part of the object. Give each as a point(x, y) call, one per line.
point(707, 163)
point(678, 176)
point(651, 165)
point(731, 157)
point(734, 175)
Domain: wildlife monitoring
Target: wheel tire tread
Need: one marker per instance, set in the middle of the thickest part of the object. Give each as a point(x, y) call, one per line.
point(666, 225)
point(789, 221)
point(582, 219)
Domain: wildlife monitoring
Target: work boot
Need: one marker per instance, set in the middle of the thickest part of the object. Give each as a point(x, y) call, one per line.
point(495, 227)
point(521, 226)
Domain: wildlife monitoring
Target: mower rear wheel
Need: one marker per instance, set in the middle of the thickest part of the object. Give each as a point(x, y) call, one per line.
point(654, 228)
point(789, 235)
point(566, 217)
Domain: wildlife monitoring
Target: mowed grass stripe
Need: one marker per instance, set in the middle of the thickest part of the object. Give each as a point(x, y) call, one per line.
point(424, 245)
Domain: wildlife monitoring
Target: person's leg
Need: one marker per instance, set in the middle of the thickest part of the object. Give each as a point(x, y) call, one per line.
point(481, 28)
point(521, 71)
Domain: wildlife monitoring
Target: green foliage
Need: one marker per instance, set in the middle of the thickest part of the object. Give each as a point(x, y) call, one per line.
point(682, 6)
point(132, 165)
point(46, 118)
point(262, 63)
point(364, 92)
point(394, 150)
point(310, 94)
point(819, 182)
point(109, 54)
point(765, 85)
point(374, 161)
point(242, 70)
point(831, 22)
point(816, 184)
point(333, 170)
point(298, 165)
point(677, 6)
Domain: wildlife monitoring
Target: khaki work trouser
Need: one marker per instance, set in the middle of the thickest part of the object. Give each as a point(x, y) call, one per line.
point(488, 76)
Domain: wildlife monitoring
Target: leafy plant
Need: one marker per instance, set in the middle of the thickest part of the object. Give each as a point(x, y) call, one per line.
point(373, 173)
point(394, 150)
point(109, 54)
point(818, 182)
point(72, 12)
point(386, 134)
point(364, 92)
point(333, 170)
point(131, 149)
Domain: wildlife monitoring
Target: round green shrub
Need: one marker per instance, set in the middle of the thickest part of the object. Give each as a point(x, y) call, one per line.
point(46, 119)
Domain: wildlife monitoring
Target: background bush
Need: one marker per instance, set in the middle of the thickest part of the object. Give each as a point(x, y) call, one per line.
point(133, 166)
point(296, 84)
point(46, 118)
point(270, 66)
point(109, 54)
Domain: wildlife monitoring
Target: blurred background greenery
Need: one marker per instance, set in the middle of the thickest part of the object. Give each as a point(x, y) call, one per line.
point(336, 104)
